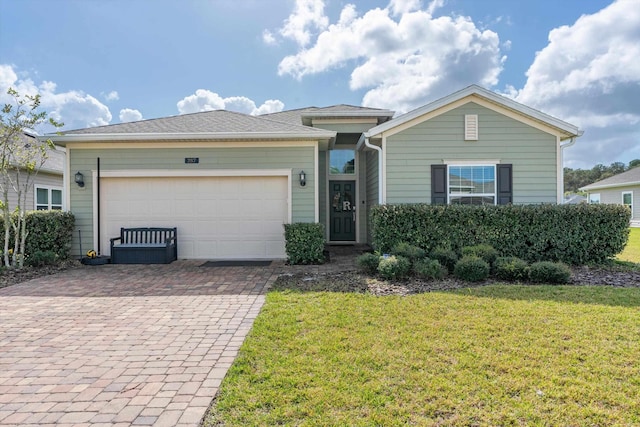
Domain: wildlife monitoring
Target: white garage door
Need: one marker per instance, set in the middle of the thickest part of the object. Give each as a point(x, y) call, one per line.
point(217, 217)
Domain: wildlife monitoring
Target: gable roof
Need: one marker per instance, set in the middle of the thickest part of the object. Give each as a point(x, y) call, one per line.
point(217, 124)
point(630, 177)
point(54, 163)
point(563, 127)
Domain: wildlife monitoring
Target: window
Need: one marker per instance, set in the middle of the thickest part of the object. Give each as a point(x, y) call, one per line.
point(342, 162)
point(472, 185)
point(627, 200)
point(594, 198)
point(48, 198)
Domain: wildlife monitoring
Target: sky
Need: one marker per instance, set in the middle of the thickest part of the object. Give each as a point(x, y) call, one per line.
point(98, 62)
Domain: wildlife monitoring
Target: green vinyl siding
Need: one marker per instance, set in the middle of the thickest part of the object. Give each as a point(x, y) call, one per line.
point(372, 185)
point(84, 160)
point(411, 152)
point(322, 189)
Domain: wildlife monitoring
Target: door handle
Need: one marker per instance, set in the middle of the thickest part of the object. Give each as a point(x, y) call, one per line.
point(353, 211)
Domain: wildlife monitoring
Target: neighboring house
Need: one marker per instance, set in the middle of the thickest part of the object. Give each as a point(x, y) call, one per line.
point(575, 199)
point(620, 189)
point(46, 191)
point(229, 181)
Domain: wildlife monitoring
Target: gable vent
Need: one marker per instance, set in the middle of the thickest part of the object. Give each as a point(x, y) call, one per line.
point(471, 127)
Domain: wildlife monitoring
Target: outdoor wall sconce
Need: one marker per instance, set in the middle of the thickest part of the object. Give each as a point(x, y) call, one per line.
point(79, 179)
point(303, 179)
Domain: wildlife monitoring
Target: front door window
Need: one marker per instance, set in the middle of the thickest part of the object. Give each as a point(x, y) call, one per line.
point(342, 162)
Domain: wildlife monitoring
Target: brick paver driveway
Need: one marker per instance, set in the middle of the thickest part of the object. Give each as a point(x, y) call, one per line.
point(123, 345)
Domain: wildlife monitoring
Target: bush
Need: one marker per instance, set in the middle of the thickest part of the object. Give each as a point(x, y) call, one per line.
point(471, 269)
point(512, 269)
point(48, 231)
point(577, 234)
point(446, 257)
point(429, 269)
point(394, 267)
point(41, 258)
point(369, 262)
point(304, 243)
point(486, 252)
point(409, 251)
point(549, 272)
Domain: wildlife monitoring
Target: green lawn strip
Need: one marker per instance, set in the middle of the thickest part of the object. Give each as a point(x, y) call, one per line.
point(480, 356)
point(631, 252)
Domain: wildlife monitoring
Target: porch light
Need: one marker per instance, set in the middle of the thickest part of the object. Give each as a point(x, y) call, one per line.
point(303, 179)
point(79, 178)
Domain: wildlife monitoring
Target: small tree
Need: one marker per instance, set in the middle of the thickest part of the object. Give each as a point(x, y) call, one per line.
point(20, 161)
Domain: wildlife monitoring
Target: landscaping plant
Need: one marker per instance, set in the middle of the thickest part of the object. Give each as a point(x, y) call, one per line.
point(429, 269)
point(512, 269)
point(394, 267)
point(549, 272)
point(368, 263)
point(472, 269)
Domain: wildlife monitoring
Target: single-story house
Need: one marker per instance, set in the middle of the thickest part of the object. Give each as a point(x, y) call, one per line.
point(620, 189)
point(46, 189)
point(229, 181)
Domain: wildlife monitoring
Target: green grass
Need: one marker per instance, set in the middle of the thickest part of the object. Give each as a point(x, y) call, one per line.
point(495, 355)
point(631, 252)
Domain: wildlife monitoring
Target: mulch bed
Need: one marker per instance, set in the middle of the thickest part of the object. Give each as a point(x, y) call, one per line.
point(354, 281)
point(13, 276)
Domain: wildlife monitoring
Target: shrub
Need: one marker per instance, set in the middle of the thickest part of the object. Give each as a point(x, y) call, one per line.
point(369, 262)
point(409, 251)
point(304, 243)
point(511, 269)
point(41, 258)
point(429, 269)
point(578, 234)
point(48, 231)
point(486, 252)
point(549, 272)
point(471, 269)
point(394, 267)
point(446, 257)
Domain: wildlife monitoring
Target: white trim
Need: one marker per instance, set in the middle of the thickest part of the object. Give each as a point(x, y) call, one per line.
point(631, 205)
point(118, 145)
point(161, 173)
point(49, 188)
point(559, 172)
point(344, 120)
point(467, 164)
point(480, 162)
point(383, 179)
point(594, 194)
point(602, 187)
point(316, 189)
point(312, 134)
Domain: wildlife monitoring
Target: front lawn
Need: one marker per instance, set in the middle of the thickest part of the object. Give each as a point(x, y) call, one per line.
point(631, 252)
point(493, 355)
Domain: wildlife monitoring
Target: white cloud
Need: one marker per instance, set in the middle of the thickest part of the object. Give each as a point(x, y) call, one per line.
point(589, 75)
point(110, 96)
point(75, 108)
point(130, 115)
point(403, 60)
point(308, 15)
point(205, 100)
point(268, 37)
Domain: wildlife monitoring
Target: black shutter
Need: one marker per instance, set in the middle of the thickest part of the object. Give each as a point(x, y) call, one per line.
point(438, 184)
point(505, 184)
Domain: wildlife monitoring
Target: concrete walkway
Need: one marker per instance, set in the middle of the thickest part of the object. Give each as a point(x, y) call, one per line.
point(123, 345)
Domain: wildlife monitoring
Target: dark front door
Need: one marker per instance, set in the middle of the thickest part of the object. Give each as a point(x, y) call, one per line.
point(342, 217)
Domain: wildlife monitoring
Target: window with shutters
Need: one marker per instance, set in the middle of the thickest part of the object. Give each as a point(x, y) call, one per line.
point(472, 184)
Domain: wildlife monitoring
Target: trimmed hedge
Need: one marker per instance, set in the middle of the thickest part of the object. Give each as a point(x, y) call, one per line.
point(574, 234)
point(49, 232)
point(304, 242)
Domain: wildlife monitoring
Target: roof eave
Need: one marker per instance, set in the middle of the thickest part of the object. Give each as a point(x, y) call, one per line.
point(606, 186)
point(115, 137)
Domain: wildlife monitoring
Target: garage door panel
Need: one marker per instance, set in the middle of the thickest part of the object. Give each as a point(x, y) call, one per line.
point(216, 217)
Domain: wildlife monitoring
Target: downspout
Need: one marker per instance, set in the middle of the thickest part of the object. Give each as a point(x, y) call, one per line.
point(379, 150)
point(572, 141)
